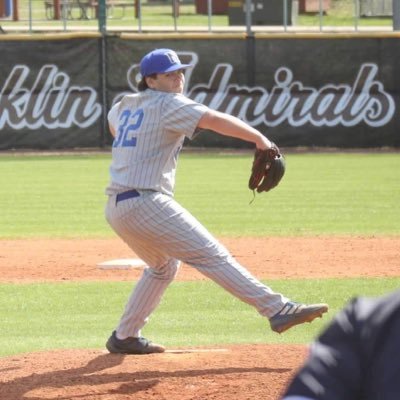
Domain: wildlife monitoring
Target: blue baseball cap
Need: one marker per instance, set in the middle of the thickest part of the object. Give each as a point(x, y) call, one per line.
point(161, 61)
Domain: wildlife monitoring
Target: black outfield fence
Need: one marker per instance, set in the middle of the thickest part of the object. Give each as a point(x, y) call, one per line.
point(338, 90)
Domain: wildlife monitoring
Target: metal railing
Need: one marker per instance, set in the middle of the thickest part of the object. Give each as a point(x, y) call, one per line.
point(199, 15)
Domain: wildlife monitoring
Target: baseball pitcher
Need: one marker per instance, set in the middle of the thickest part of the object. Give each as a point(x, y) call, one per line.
point(149, 129)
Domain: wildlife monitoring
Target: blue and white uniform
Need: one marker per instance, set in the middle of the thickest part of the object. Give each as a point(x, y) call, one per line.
point(150, 129)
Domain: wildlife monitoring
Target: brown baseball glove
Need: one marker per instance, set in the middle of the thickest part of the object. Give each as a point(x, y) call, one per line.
point(267, 170)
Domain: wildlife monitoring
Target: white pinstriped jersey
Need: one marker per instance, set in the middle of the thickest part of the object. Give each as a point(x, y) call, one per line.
point(150, 129)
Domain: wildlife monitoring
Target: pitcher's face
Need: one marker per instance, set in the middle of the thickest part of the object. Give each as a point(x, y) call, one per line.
point(171, 82)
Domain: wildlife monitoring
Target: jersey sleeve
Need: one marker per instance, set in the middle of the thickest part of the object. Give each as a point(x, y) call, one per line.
point(182, 115)
point(334, 368)
point(356, 357)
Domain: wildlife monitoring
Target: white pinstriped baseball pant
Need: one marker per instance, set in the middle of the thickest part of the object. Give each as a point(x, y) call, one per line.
point(162, 233)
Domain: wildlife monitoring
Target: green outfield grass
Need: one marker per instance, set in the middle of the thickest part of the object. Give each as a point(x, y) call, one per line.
point(321, 194)
point(63, 196)
point(82, 315)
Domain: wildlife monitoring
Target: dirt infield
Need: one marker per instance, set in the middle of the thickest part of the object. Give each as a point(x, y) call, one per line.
point(223, 372)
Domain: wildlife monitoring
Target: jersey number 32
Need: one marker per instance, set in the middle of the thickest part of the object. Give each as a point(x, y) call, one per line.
point(129, 123)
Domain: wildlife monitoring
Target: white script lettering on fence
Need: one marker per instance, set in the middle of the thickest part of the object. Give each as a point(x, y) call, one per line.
point(50, 102)
point(291, 102)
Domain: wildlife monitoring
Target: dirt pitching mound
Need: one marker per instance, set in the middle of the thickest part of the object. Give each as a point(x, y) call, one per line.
point(223, 373)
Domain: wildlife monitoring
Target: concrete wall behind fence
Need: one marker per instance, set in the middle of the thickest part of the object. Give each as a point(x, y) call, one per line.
point(337, 90)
